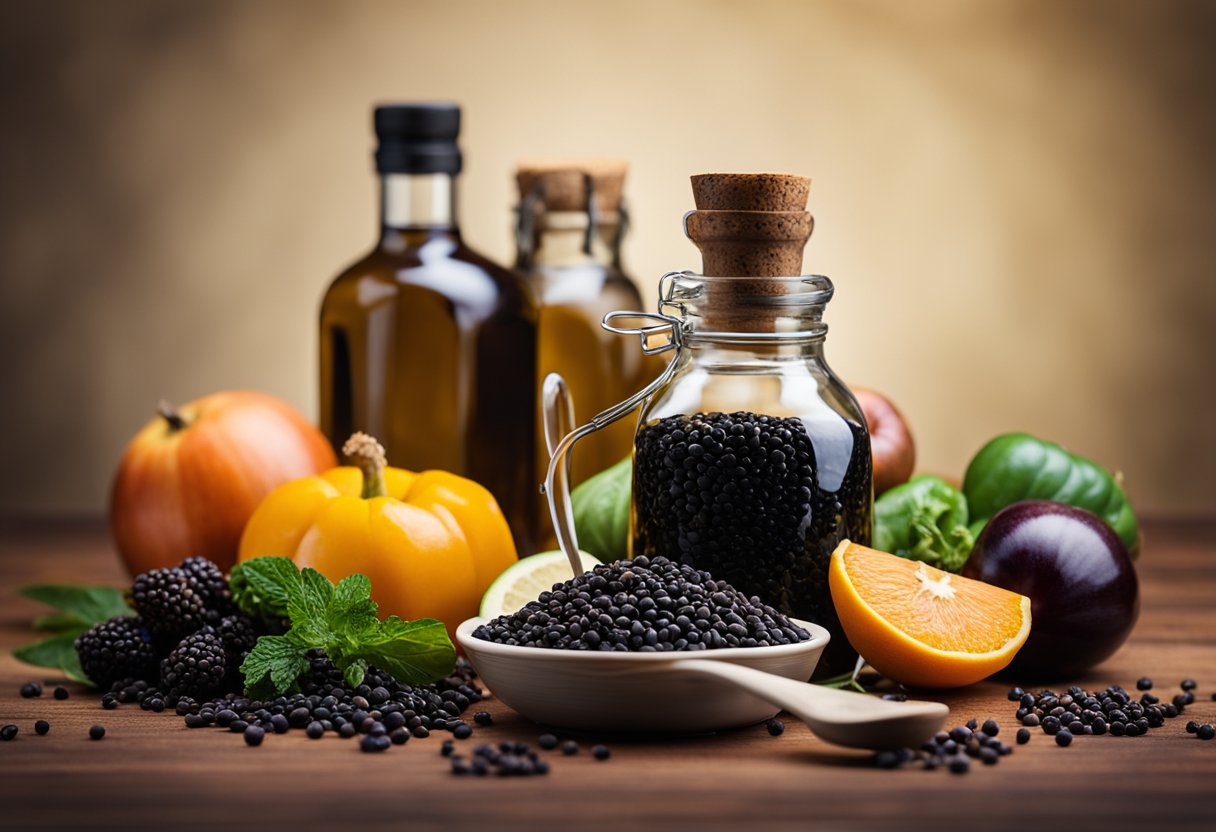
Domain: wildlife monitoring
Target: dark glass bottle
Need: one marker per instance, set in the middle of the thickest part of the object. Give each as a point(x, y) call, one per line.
point(425, 344)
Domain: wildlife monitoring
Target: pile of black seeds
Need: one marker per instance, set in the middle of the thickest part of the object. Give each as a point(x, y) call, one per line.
point(745, 496)
point(952, 750)
point(1079, 712)
point(381, 710)
point(512, 759)
point(643, 605)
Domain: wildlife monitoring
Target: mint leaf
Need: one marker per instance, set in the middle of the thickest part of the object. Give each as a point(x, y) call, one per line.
point(261, 587)
point(58, 652)
point(274, 665)
point(352, 612)
point(415, 652)
point(354, 672)
point(88, 604)
point(340, 620)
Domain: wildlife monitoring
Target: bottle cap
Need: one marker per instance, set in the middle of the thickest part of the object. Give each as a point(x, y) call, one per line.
point(418, 138)
point(561, 185)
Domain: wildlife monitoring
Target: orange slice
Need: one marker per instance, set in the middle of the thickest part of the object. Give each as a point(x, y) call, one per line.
point(922, 626)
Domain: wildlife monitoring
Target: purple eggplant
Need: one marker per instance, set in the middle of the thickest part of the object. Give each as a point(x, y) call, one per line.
point(1083, 590)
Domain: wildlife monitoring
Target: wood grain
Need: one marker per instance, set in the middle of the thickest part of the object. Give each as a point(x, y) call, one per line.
point(151, 772)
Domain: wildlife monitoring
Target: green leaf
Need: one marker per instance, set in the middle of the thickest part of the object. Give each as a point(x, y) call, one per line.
point(601, 511)
point(354, 672)
point(352, 612)
point(274, 665)
point(415, 652)
point(262, 587)
point(59, 652)
point(59, 621)
point(89, 604)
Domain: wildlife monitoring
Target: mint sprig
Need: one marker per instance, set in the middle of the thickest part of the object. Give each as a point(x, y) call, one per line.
point(341, 620)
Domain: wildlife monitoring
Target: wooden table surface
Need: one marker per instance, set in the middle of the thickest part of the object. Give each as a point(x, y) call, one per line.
point(152, 772)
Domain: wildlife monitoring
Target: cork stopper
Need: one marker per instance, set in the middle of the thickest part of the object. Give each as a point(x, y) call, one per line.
point(748, 225)
point(562, 184)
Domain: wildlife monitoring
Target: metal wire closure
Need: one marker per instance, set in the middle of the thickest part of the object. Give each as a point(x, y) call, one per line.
point(556, 407)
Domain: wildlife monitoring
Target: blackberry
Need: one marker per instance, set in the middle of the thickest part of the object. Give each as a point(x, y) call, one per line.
point(209, 581)
point(643, 605)
point(117, 649)
point(196, 667)
point(239, 636)
point(753, 500)
point(169, 603)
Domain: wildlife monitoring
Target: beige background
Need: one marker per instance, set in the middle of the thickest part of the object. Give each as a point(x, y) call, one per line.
point(1016, 200)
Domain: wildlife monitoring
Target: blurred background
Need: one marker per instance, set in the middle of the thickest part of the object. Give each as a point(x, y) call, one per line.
point(1016, 200)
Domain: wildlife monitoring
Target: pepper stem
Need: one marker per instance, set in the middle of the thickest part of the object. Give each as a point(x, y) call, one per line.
point(169, 413)
point(367, 454)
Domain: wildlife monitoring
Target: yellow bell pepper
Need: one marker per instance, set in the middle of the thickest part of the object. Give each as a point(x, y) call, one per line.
point(430, 542)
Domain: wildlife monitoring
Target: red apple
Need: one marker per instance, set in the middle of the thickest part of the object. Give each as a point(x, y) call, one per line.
point(189, 481)
point(890, 440)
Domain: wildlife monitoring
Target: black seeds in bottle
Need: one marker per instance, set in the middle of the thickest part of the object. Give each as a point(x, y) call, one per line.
point(757, 503)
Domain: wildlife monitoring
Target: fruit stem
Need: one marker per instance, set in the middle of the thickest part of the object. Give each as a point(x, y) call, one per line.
point(169, 413)
point(368, 455)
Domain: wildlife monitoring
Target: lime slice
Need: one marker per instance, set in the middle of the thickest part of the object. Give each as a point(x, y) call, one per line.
point(523, 581)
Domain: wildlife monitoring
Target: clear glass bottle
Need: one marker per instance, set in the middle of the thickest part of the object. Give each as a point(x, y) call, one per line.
point(570, 225)
point(425, 344)
point(752, 460)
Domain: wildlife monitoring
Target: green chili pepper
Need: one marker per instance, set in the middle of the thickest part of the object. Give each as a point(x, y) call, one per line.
point(1018, 466)
point(924, 519)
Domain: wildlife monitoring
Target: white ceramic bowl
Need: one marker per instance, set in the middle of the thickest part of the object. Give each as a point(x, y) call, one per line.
point(632, 692)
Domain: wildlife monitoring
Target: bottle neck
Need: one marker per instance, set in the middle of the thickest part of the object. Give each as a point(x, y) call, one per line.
point(568, 238)
point(423, 201)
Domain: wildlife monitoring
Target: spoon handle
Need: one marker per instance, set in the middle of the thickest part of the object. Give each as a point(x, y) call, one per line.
point(837, 716)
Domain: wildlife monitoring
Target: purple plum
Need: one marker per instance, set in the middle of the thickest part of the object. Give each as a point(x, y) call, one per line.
point(1084, 595)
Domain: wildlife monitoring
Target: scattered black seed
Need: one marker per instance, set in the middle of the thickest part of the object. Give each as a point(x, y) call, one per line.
point(1188, 684)
point(1144, 683)
point(372, 743)
point(61, 693)
point(991, 728)
point(8, 732)
point(97, 732)
point(775, 727)
point(421, 732)
point(483, 718)
point(399, 736)
point(31, 690)
point(1206, 732)
point(1015, 694)
point(41, 727)
point(315, 730)
point(1192, 726)
point(601, 752)
point(972, 724)
point(547, 741)
point(960, 734)
point(447, 748)
point(642, 605)
point(1023, 736)
point(959, 765)
point(238, 726)
point(569, 747)
point(254, 735)
point(462, 731)
point(1064, 737)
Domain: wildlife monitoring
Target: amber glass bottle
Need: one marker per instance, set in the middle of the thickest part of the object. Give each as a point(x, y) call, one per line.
point(426, 344)
point(570, 224)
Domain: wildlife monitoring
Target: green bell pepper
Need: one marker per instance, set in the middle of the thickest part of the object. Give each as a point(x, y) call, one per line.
point(1018, 466)
point(601, 512)
point(924, 519)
